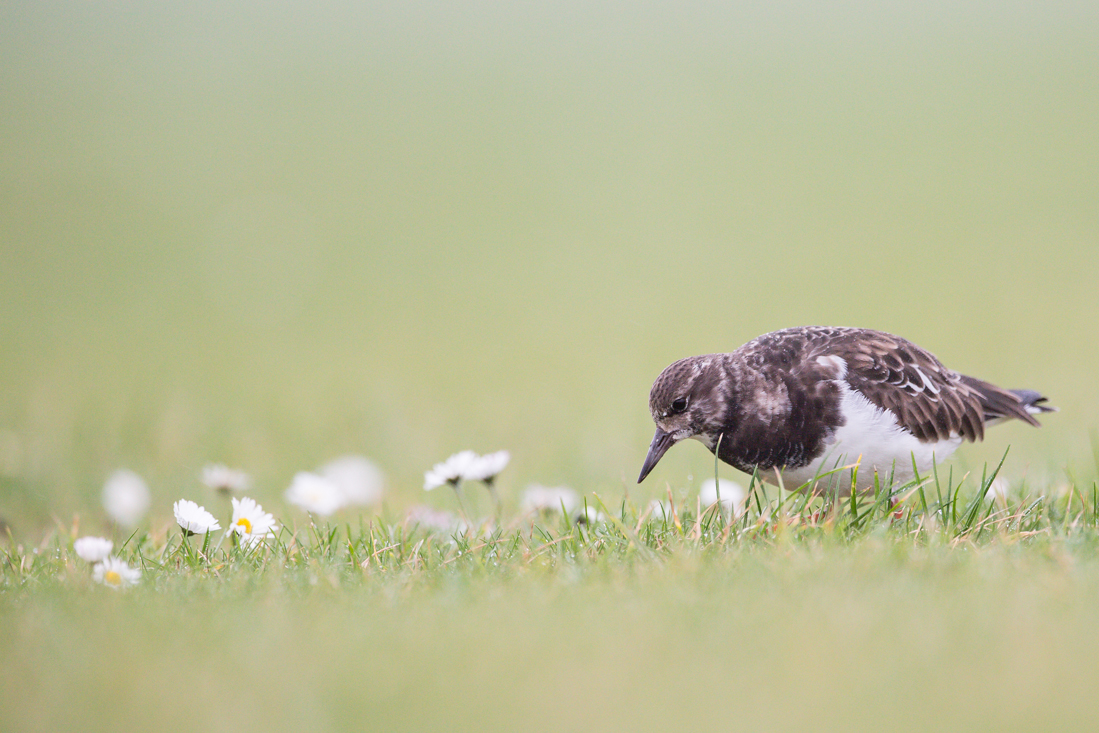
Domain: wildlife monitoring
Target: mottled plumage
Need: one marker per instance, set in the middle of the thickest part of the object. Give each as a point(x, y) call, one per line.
point(803, 401)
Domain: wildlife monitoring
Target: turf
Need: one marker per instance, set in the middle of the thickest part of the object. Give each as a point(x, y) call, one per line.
point(851, 614)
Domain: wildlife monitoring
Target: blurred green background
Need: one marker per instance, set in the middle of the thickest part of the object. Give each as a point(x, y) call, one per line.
point(272, 233)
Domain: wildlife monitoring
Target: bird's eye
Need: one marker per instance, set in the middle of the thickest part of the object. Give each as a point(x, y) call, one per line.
point(679, 405)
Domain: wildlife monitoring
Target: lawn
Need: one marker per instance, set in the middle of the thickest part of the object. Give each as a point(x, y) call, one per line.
point(970, 614)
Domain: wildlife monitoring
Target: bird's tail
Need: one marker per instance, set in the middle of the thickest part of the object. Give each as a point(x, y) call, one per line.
point(1033, 402)
point(1003, 404)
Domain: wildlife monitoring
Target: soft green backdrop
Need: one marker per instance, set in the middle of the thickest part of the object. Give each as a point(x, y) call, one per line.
point(269, 234)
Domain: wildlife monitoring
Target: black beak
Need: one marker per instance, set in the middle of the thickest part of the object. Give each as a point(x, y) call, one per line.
point(661, 443)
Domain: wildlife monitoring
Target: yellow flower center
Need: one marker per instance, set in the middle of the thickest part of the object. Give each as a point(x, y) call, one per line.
point(112, 578)
point(243, 522)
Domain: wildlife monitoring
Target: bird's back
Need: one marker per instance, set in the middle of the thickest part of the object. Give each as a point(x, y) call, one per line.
point(854, 393)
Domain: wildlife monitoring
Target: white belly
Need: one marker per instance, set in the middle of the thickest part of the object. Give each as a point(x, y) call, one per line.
point(872, 439)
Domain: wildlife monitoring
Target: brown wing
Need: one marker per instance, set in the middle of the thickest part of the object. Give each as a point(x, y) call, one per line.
point(931, 401)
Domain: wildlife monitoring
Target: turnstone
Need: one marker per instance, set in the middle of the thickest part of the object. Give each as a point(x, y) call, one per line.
point(803, 402)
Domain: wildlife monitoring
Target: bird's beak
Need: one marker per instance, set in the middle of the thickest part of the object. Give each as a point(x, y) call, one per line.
point(661, 443)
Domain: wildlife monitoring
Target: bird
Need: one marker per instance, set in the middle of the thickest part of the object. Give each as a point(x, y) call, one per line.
point(832, 407)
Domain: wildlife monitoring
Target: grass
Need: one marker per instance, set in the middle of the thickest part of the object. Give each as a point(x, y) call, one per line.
point(850, 614)
point(925, 512)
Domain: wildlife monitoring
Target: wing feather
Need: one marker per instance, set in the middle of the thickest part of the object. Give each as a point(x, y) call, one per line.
point(930, 401)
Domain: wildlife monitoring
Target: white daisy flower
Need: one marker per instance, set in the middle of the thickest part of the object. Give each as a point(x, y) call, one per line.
point(222, 478)
point(194, 519)
point(998, 490)
point(93, 549)
point(589, 515)
point(251, 523)
point(538, 498)
point(661, 510)
point(452, 471)
point(487, 467)
point(732, 495)
point(115, 573)
point(315, 494)
point(438, 521)
point(359, 479)
point(125, 497)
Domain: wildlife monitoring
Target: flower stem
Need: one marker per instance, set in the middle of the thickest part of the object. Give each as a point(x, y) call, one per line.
point(461, 505)
point(185, 546)
point(491, 484)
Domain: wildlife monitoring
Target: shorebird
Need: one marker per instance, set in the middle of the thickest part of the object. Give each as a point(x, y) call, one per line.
point(816, 404)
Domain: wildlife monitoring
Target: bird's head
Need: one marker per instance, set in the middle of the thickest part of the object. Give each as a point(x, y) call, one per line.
point(688, 400)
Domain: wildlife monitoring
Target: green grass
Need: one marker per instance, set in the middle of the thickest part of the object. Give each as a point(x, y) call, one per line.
point(840, 614)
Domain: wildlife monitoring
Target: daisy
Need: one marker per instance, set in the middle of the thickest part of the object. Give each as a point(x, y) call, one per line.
point(435, 521)
point(358, 478)
point(93, 549)
point(538, 498)
point(251, 524)
point(732, 495)
point(589, 516)
point(115, 573)
point(125, 497)
point(997, 490)
point(315, 494)
point(224, 479)
point(487, 467)
point(452, 471)
point(193, 518)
